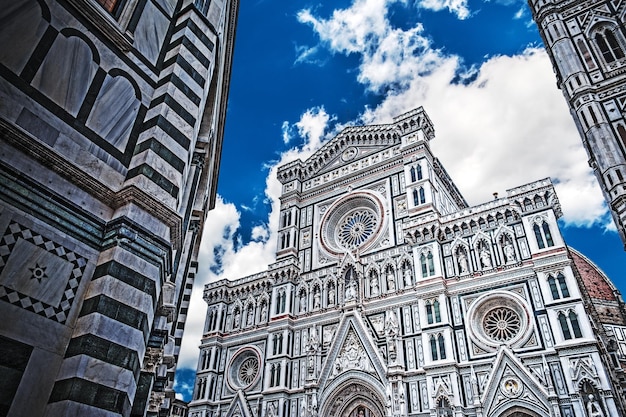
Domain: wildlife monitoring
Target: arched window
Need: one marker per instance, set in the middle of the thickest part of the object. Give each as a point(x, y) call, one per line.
point(608, 45)
point(422, 195)
point(431, 263)
point(424, 265)
point(569, 325)
point(573, 319)
point(429, 312)
point(442, 347)
point(413, 174)
point(433, 312)
point(416, 200)
point(585, 53)
point(558, 286)
point(428, 264)
point(564, 326)
point(444, 409)
point(437, 347)
point(419, 172)
point(543, 235)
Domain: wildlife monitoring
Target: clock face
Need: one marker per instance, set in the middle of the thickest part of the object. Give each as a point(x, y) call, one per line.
point(353, 222)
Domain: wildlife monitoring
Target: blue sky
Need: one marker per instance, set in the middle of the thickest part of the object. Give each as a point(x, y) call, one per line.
point(303, 70)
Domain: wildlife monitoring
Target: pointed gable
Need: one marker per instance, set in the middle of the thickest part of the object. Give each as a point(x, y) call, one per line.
point(512, 385)
point(239, 406)
point(352, 350)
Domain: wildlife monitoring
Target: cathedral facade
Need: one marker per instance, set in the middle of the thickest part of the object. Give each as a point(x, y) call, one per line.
point(391, 296)
point(111, 124)
point(586, 41)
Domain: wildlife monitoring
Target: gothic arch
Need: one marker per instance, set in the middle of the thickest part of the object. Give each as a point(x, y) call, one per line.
point(352, 390)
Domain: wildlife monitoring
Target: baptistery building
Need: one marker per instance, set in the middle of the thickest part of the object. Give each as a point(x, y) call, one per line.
point(111, 127)
point(391, 296)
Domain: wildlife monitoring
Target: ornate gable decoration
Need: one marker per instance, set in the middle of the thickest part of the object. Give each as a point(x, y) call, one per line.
point(511, 385)
point(239, 406)
point(352, 356)
point(352, 350)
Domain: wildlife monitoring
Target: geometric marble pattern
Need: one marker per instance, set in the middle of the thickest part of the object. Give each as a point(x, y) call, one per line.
point(24, 252)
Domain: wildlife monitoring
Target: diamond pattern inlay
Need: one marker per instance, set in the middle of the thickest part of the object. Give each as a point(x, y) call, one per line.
point(38, 272)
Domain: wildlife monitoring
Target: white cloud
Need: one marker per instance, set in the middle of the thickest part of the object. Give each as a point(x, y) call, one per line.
point(507, 127)
point(457, 7)
point(286, 132)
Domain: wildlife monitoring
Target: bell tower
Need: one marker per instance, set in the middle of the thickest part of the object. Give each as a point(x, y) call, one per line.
point(587, 45)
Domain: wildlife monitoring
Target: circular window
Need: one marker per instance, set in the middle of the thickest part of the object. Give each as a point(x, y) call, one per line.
point(356, 228)
point(244, 368)
point(354, 221)
point(499, 318)
point(502, 324)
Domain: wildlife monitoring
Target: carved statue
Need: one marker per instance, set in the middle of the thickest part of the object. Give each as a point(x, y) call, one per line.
point(485, 258)
point(593, 408)
point(351, 291)
point(462, 262)
point(391, 284)
point(250, 316)
point(263, 312)
point(374, 285)
point(407, 276)
point(331, 296)
point(509, 251)
point(303, 302)
point(316, 299)
point(237, 319)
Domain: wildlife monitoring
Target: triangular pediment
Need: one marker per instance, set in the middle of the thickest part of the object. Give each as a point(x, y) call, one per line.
point(512, 385)
point(239, 406)
point(353, 350)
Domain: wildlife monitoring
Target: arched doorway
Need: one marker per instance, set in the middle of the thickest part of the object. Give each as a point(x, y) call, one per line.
point(354, 398)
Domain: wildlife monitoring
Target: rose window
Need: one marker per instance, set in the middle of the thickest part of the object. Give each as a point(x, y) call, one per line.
point(248, 370)
point(500, 318)
point(502, 324)
point(353, 222)
point(356, 228)
point(244, 368)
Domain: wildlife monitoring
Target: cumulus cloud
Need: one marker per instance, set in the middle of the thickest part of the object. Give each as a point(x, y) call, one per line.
point(506, 127)
point(457, 7)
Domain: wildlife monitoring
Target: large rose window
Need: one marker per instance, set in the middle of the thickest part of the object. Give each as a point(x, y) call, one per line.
point(244, 368)
point(500, 318)
point(353, 222)
point(502, 324)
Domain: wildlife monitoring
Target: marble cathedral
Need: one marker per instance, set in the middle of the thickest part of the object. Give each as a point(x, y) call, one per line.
point(586, 41)
point(391, 296)
point(111, 125)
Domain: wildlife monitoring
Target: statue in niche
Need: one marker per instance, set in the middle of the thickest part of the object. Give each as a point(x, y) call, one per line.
point(391, 284)
point(263, 312)
point(485, 258)
point(374, 285)
point(331, 296)
point(351, 290)
point(462, 260)
point(237, 319)
point(316, 298)
point(593, 408)
point(408, 279)
point(250, 316)
point(303, 302)
point(509, 251)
